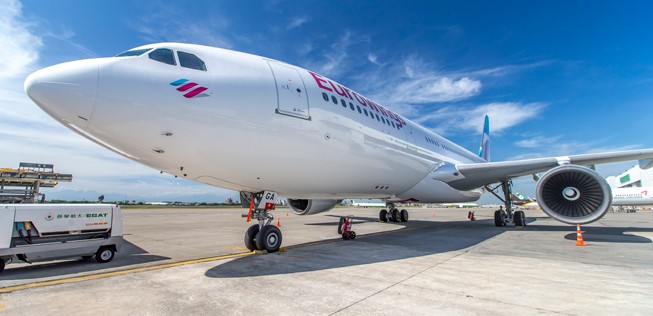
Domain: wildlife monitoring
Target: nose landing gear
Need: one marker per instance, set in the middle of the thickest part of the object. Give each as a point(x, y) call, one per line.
point(264, 235)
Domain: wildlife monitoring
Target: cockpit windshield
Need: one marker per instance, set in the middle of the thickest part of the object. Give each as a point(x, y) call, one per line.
point(133, 52)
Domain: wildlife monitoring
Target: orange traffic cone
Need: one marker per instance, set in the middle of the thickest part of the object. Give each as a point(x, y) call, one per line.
point(286, 213)
point(433, 214)
point(278, 222)
point(579, 237)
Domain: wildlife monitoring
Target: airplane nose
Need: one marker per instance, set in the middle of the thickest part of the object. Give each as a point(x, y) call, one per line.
point(66, 91)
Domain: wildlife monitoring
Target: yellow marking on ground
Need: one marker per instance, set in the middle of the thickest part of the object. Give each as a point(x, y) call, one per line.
point(238, 248)
point(117, 273)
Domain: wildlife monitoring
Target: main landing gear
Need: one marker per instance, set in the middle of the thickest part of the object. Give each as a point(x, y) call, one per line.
point(264, 235)
point(503, 217)
point(393, 215)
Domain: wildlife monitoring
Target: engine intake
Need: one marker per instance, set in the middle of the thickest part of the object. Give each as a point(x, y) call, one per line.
point(310, 207)
point(573, 194)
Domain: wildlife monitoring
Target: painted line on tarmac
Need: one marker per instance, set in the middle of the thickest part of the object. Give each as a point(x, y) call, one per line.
point(116, 273)
point(176, 264)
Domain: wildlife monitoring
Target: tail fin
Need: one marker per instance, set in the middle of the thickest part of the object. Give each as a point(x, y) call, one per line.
point(484, 151)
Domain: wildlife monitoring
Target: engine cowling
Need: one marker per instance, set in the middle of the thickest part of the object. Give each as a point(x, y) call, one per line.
point(573, 194)
point(310, 207)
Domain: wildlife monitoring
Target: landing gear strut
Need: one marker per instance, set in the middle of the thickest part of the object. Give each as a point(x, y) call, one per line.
point(393, 214)
point(264, 235)
point(503, 217)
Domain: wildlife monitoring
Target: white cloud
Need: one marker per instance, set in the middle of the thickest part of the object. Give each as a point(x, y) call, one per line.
point(404, 85)
point(297, 22)
point(167, 24)
point(335, 57)
point(537, 141)
point(20, 48)
point(374, 59)
point(502, 116)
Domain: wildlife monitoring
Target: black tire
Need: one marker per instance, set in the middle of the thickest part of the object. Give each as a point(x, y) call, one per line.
point(383, 215)
point(250, 237)
point(105, 254)
point(498, 219)
point(403, 215)
point(342, 221)
point(394, 215)
point(2, 265)
point(519, 219)
point(269, 239)
point(352, 235)
point(87, 257)
point(345, 236)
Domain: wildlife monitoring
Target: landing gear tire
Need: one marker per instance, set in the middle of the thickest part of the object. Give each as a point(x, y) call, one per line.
point(403, 215)
point(2, 265)
point(498, 219)
point(250, 237)
point(383, 215)
point(394, 215)
point(519, 219)
point(345, 236)
point(269, 239)
point(105, 254)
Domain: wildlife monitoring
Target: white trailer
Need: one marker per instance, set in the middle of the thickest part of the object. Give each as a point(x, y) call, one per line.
point(40, 232)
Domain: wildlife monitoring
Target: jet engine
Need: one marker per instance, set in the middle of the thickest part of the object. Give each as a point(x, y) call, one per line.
point(573, 194)
point(310, 207)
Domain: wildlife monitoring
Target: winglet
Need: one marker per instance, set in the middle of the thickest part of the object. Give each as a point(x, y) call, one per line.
point(484, 150)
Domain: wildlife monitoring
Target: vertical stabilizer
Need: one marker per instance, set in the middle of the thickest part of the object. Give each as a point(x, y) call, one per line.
point(484, 151)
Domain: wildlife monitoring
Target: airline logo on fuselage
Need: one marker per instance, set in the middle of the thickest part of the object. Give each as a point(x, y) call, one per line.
point(334, 87)
point(194, 89)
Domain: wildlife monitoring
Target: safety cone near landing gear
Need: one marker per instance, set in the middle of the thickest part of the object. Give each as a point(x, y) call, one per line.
point(278, 222)
point(579, 237)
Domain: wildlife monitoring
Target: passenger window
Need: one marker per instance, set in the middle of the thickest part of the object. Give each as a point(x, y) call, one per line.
point(163, 55)
point(325, 96)
point(365, 112)
point(191, 61)
point(359, 109)
point(335, 101)
point(344, 104)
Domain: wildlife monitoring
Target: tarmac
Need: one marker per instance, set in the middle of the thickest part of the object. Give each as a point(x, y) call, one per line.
point(178, 261)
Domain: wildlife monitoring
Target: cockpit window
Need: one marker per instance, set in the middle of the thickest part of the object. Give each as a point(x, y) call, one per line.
point(133, 52)
point(163, 55)
point(191, 61)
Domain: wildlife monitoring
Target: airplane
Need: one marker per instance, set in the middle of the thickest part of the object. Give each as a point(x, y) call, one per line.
point(520, 200)
point(458, 205)
point(267, 128)
point(366, 204)
point(632, 196)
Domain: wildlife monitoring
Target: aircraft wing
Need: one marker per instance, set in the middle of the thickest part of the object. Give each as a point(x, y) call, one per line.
point(475, 175)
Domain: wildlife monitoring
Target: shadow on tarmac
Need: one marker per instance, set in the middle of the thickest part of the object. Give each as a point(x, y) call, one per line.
point(421, 238)
point(128, 255)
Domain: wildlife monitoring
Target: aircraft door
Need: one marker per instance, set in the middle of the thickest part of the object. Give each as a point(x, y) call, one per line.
point(291, 92)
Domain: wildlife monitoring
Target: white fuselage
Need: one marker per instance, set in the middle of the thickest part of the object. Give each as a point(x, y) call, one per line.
point(632, 196)
point(259, 124)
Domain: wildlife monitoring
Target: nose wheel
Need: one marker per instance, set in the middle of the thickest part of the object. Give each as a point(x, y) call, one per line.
point(264, 235)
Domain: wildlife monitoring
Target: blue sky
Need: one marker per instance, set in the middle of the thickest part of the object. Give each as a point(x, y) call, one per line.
point(556, 77)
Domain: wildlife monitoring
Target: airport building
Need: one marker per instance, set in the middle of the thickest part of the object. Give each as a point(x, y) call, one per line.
point(631, 178)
